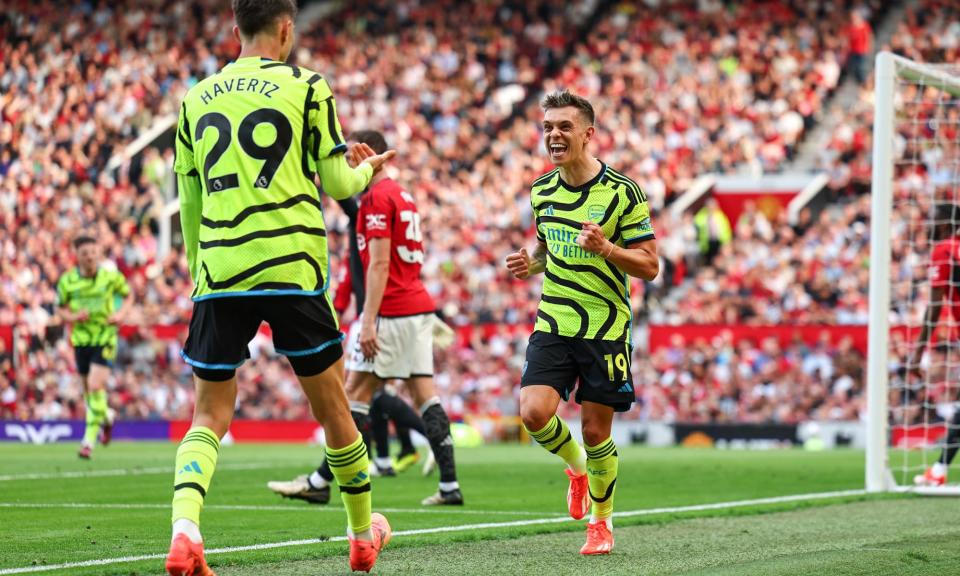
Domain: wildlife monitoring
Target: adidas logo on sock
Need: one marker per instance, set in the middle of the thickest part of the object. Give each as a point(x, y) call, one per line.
point(358, 478)
point(191, 467)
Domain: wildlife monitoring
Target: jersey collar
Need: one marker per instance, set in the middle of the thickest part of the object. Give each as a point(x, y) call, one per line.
point(586, 186)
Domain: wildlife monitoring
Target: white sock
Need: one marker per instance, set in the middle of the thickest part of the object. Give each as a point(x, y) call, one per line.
point(580, 466)
point(939, 469)
point(608, 521)
point(184, 526)
point(317, 481)
point(382, 463)
point(365, 535)
point(449, 486)
point(361, 407)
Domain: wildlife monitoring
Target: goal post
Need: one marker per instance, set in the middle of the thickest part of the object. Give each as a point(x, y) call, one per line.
point(915, 127)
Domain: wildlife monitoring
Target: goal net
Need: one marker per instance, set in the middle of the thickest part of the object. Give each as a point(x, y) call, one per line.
point(913, 389)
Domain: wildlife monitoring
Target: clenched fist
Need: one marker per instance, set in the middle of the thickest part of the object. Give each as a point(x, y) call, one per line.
point(518, 264)
point(593, 240)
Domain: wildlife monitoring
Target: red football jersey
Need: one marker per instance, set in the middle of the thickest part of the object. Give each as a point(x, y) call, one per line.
point(944, 273)
point(388, 211)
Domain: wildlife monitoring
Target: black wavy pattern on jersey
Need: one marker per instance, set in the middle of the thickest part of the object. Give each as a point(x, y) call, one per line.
point(584, 196)
point(630, 184)
point(611, 210)
point(611, 307)
point(268, 207)
point(617, 273)
point(295, 69)
point(573, 304)
point(308, 105)
point(560, 220)
point(587, 269)
point(542, 181)
point(615, 236)
point(332, 121)
point(184, 131)
point(549, 320)
point(253, 270)
point(260, 234)
point(276, 286)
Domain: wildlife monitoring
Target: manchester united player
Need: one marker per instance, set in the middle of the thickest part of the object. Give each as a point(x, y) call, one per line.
point(944, 273)
point(393, 340)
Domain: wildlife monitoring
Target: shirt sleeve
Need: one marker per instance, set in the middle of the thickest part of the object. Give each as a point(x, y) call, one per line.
point(183, 145)
point(635, 224)
point(326, 136)
point(940, 264)
point(536, 220)
point(339, 180)
point(377, 213)
point(120, 285)
point(63, 297)
point(190, 194)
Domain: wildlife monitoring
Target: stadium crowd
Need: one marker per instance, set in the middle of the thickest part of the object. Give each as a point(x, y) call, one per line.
point(681, 88)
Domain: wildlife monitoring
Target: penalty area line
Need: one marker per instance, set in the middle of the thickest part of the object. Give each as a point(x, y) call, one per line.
point(444, 529)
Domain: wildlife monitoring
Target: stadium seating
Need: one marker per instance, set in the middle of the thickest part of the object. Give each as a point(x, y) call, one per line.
point(680, 89)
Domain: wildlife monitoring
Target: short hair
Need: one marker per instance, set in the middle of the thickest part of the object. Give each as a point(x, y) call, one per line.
point(947, 215)
point(371, 138)
point(564, 98)
point(255, 16)
point(83, 240)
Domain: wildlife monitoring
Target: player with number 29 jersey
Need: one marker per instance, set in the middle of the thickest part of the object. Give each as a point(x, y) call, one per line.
point(255, 134)
point(388, 211)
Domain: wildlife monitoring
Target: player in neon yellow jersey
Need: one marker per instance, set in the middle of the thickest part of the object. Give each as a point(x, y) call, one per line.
point(250, 142)
point(593, 231)
point(93, 298)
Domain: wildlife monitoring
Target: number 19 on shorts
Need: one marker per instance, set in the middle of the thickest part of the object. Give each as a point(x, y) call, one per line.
point(620, 363)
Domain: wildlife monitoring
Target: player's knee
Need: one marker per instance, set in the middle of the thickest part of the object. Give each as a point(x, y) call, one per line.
point(534, 417)
point(594, 432)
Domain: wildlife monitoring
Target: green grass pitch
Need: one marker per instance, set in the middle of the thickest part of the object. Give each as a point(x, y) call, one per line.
point(55, 509)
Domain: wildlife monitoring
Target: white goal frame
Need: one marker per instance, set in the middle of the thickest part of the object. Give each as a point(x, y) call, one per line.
point(889, 67)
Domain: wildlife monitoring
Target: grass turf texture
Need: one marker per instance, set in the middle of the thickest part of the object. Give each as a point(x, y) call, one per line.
point(501, 484)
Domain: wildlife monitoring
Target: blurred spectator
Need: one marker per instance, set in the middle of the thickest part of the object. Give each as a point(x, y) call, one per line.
point(860, 44)
point(713, 230)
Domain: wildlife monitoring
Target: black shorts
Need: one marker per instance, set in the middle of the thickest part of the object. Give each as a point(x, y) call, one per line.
point(601, 367)
point(87, 355)
point(304, 330)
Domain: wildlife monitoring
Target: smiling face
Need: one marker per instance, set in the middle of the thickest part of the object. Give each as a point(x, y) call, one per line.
point(565, 134)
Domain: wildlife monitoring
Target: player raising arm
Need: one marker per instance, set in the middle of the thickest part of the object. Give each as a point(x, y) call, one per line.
point(593, 230)
point(249, 143)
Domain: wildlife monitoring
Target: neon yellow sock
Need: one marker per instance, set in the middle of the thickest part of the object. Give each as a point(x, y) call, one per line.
point(196, 462)
point(556, 437)
point(349, 466)
point(96, 413)
point(602, 463)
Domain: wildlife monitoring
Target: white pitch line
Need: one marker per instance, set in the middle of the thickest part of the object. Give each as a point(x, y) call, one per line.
point(134, 471)
point(442, 529)
point(266, 508)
